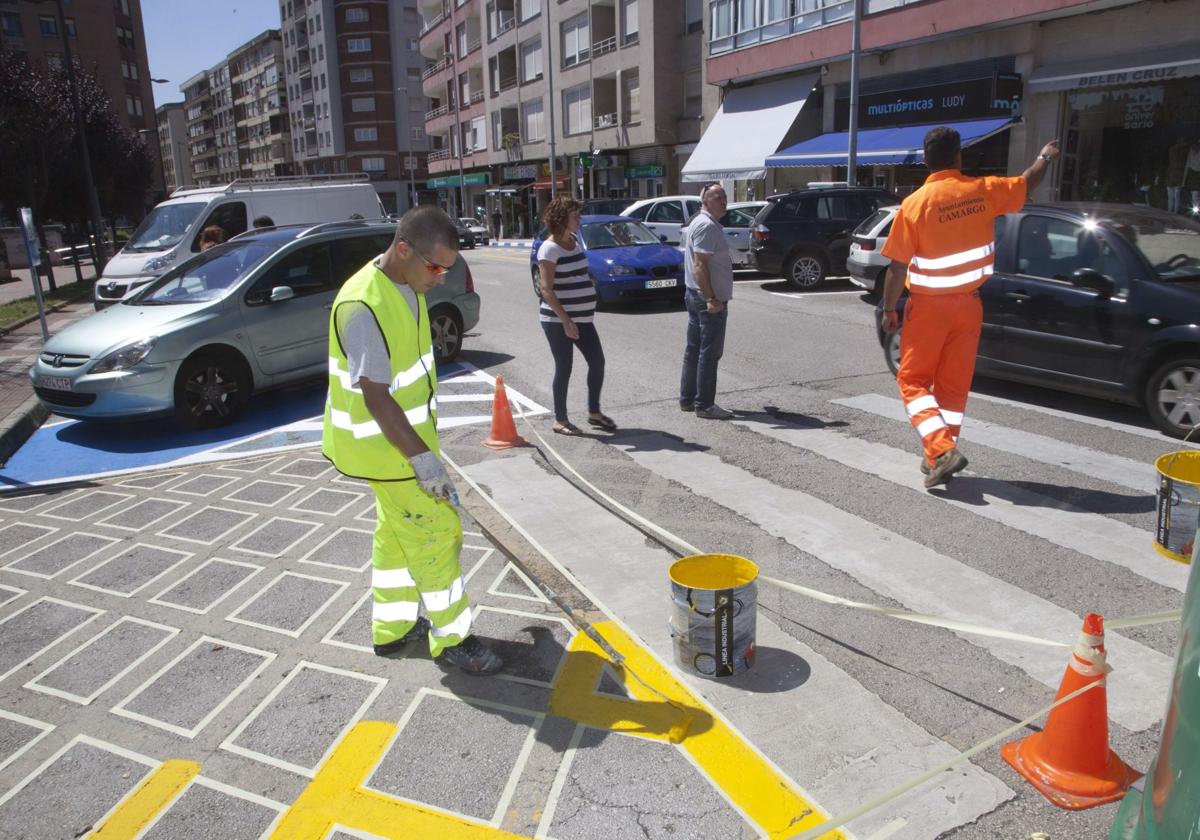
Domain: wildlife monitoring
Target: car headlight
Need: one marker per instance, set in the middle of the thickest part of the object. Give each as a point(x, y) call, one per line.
point(621, 270)
point(159, 263)
point(126, 357)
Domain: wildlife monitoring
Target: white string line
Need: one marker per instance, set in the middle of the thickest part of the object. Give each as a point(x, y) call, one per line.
point(904, 615)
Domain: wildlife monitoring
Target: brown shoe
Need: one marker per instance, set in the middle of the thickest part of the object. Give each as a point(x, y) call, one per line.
point(946, 465)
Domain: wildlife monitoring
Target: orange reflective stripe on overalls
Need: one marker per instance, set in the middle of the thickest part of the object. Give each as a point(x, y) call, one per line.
point(944, 233)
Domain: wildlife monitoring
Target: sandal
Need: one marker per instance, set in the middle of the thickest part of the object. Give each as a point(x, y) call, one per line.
point(568, 429)
point(603, 422)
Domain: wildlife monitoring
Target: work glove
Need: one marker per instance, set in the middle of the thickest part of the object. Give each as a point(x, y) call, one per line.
point(433, 478)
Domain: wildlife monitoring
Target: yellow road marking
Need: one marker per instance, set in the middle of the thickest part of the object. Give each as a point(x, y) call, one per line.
point(336, 795)
point(744, 774)
point(151, 796)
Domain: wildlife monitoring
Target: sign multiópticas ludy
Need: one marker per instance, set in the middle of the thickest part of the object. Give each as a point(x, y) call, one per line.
point(994, 96)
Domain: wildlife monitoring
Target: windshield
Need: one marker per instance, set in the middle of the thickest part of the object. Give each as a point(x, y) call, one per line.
point(1170, 243)
point(617, 235)
point(205, 277)
point(165, 225)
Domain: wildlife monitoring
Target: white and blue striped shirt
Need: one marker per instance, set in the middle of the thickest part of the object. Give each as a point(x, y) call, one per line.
point(572, 285)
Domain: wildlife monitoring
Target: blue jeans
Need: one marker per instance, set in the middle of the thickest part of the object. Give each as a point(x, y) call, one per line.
point(705, 344)
point(563, 350)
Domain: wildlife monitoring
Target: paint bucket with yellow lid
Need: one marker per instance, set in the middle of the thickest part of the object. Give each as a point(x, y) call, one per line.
point(1178, 504)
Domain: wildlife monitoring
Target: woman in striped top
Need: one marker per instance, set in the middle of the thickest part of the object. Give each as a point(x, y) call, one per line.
point(568, 304)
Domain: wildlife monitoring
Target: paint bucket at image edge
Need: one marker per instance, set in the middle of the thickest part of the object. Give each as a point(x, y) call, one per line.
point(1178, 504)
point(715, 599)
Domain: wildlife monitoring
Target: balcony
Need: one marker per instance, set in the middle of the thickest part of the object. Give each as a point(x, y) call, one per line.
point(439, 112)
point(606, 46)
point(473, 45)
point(729, 33)
point(477, 96)
point(438, 154)
point(441, 65)
point(606, 120)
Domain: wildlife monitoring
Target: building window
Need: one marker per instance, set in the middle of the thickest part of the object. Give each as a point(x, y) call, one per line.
point(693, 95)
point(320, 52)
point(361, 75)
point(356, 14)
point(575, 40)
point(532, 126)
point(693, 16)
point(366, 135)
point(373, 164)
point(10, 25)
point(460, 37)
point(357, 45)
point(531, 60)
point(776, 10)
point(322, 81)
point(629, 21)
point(121, 7)
point(631, 95)
point(497, 130)
point(529, 9)
point(361, 104)
point(577, 109)
point(417, 133)
point(414, 45)
point(48, 26)
point(477, 136)
point(129, 104)
point(747, 15)
point(328, 139)
point(722, 19)
point(318, 23)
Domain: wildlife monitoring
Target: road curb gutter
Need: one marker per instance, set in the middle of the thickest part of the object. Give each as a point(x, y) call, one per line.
point(17, 427)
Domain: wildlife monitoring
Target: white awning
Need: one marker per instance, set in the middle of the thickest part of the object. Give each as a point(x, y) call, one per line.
point(1147, 67)
point(750, 125)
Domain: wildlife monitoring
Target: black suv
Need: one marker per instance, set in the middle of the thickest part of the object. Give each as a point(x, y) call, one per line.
point(1095, 299)
point(806, 235)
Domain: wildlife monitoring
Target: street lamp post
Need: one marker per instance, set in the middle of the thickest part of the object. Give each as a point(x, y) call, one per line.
point(852, 152)
point(86, 158)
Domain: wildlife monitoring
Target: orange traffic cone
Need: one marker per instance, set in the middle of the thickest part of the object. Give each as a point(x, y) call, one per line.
point(504, 431)
point(1069, 761)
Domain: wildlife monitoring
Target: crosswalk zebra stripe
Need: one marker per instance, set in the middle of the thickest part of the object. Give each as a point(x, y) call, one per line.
point(1075, 417)
point(914, 575)
point(841, 718)
point(1063, 524)
point(1125, 472)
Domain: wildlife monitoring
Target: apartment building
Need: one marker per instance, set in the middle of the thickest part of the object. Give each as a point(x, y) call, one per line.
point(619, 82)
point(201, 131)
point(260, 104)
point(1117, 82)
point(173, 146)
point(353, 75)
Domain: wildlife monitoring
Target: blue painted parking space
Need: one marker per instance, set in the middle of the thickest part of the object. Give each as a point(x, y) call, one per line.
point(274, 421)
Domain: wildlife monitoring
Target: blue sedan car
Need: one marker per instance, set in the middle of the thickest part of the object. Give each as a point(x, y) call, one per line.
point(625, 261)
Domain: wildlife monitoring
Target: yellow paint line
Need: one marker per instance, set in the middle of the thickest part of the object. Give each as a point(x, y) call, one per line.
point(335, 795)
point(747, 777)
point(153, 795)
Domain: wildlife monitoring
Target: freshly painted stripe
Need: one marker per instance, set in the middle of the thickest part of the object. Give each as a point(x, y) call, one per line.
point(961, 258)
point(922, 403)
point(916, 576)
point(1098, 422)
point(613, 561)
point(936, 281)
point(153, 795)
point(931, 425)
point(1091, 534)
point(1125, 472)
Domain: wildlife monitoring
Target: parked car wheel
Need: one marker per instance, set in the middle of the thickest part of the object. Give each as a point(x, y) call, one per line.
point(447, 330)
point(1173, 396)
point(891, 353)
point(805, 270)
point(211, 389)
point(880, 282)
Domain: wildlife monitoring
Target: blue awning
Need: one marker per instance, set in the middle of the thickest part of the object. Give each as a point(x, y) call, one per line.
point(881, 146)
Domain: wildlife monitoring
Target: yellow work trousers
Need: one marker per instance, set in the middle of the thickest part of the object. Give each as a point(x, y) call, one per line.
point(415, 559)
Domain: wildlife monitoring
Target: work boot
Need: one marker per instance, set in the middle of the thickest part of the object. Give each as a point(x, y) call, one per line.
point(419, 631)
point(946, 465)
point(713, 412)
point(925, 467)
point(472, 656)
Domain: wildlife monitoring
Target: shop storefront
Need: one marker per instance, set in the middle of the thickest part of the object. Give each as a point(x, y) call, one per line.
point(448, 193)
point(1130, 128)
point(646, 181)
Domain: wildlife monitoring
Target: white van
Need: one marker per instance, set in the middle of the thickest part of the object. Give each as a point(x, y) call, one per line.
point(170, 233)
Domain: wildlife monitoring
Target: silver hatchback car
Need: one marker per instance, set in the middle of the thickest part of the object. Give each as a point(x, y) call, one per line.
point(247, 315)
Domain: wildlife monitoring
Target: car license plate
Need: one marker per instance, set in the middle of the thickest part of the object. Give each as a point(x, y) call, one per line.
point(665, 283)
point(57, 383)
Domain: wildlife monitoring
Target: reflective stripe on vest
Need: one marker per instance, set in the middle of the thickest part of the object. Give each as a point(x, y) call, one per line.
point(953, 270)
point(352, 438)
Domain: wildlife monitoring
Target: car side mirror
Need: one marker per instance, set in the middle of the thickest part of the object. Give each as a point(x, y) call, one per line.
point(282, 293)
point(662, 237)
point(1090, 278)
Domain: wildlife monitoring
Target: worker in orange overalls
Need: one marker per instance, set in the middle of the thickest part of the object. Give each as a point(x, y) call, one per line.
point(942, 243)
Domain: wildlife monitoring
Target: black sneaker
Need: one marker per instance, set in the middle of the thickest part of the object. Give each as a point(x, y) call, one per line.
point(946, 465)
point(686, 406)
point(472, 656)
point(419, 631)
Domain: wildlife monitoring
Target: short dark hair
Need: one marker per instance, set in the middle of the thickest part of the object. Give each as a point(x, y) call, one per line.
point(214, 234)
point(942, 146)
point(558, 211)
point(427, 227)
point(264, 221)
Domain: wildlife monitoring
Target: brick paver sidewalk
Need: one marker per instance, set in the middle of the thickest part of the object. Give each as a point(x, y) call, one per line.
point(19, 349)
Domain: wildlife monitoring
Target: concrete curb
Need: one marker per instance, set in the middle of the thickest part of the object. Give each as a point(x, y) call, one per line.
point(17, 427)
point(5, 329)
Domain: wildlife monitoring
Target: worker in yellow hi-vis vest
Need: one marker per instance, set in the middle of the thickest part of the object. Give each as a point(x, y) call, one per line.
point(381, 425)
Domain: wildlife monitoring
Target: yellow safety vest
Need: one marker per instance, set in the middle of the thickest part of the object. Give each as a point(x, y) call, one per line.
point(352, 439)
